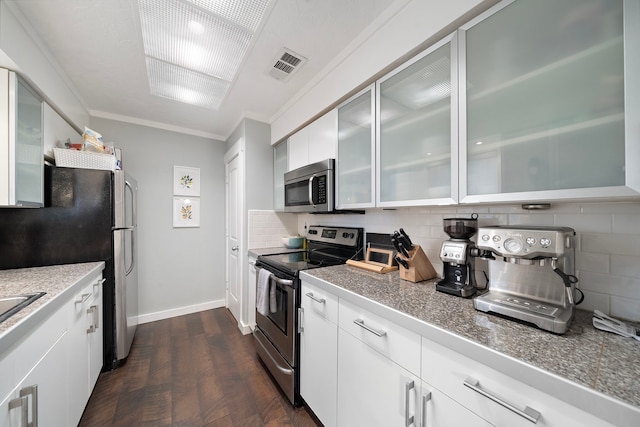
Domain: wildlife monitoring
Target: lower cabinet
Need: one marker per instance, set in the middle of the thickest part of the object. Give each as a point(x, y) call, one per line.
point(372, 389)
point(318, 352)
point(84, 361)
point(438, 409)
point(50, 374)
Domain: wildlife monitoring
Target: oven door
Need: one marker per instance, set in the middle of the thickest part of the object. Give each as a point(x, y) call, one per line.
point(279, 324)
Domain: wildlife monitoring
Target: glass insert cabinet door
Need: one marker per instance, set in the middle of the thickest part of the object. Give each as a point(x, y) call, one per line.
point(543, 87)
point(417, 130)
point(355, 162)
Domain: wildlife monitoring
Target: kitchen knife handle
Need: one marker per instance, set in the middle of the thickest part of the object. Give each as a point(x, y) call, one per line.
point(528, 413)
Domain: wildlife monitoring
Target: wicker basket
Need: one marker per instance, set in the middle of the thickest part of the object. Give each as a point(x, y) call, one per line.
point(84, 159)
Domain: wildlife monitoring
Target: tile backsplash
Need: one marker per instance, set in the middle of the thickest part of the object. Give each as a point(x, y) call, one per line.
point(607, 241)
point(266, 228)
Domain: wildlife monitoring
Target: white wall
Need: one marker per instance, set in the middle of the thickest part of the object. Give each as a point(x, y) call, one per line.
point(181, 270)
point(607, 240)
point(374, 51)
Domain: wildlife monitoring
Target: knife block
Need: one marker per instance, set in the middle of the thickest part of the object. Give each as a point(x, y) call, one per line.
point(420, 268)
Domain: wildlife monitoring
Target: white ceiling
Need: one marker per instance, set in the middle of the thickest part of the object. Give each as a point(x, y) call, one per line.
point(98, 44)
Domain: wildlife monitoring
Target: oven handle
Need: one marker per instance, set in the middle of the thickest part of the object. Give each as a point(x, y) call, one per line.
point(283, 282)
point(275, 362)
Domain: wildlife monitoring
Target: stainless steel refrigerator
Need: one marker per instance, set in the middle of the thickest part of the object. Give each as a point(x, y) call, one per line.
point(89, 215)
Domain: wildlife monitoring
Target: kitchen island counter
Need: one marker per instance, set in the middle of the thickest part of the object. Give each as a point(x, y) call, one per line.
point(590, 369)
point(59, 282)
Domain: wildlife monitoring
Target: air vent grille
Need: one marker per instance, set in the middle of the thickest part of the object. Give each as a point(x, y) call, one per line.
point(285, 64)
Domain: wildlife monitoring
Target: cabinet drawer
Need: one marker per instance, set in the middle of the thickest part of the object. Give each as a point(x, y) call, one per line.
point(490, 393)
point(321, 302)
point(395, 342)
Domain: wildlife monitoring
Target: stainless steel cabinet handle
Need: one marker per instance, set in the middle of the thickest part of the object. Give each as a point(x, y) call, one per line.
point(95, 316)
point(99, 282)
point(33, 391)
point(425, 399)
point(408, 419)
point(360, 323)
point(315, 298)
point(300, 320)
point(82, 299)
point(528, 413)
point(23, 404)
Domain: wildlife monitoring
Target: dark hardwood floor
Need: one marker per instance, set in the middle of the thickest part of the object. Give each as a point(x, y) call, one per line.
point(193, 370)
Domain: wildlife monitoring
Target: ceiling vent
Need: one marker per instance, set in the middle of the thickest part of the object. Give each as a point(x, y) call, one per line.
point(285, 64)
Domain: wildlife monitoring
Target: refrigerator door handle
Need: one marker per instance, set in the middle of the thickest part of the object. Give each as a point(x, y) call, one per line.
point(134, 208)
point(133, 252)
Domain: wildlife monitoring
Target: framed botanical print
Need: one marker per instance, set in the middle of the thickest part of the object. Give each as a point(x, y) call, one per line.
point(186, 181)
point(186, 212)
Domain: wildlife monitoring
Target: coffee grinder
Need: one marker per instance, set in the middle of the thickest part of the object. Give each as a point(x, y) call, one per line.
point(458, 263)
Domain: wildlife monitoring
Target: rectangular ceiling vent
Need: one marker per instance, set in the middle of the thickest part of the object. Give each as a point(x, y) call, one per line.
point(285, 64)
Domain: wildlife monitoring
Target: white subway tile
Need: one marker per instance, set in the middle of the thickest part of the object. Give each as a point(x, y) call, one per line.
point(595, 301)
point(622, 265)
point(597, 263)
point(585, 223)
point(610, 243)
point(531, 219)
point(609, 284)
point(627, 224)
point(612, 208)
point(625, 308)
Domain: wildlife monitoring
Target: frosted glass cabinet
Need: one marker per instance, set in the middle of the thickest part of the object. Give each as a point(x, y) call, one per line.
point(21, 147)
point(356, 155)
point(417, 130)
point(549, 114)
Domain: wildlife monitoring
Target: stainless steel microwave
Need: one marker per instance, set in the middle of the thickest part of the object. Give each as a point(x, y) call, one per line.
point(310, 188)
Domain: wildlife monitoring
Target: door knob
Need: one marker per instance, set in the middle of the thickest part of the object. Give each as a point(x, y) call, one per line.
point(234, 248)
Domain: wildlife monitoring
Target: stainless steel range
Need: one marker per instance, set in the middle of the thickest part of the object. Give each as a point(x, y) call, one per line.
point(277, 283)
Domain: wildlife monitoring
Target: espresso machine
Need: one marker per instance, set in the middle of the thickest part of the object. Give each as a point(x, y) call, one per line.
point(531, 274)
point(456, 255)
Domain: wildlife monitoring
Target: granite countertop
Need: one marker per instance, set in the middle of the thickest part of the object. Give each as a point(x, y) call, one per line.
point(598, 360)
point(58, 281)
point(272, 251)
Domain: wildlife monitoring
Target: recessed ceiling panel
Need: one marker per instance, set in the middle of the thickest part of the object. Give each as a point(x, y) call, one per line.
point(246, 13)
point(185, 35)
point(177, 83)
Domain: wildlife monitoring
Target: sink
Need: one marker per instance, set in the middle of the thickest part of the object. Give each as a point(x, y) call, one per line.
point(12, 304)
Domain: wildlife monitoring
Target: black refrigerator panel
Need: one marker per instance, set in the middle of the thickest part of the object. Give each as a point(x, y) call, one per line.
point(74, 226)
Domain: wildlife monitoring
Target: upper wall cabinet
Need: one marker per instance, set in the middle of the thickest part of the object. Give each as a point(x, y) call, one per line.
point(315, 142)
point(552, 111)
point(21, 152)
point(355, 160)
point(417, 151)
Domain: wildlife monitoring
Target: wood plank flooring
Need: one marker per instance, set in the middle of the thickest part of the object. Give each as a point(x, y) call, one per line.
point(193, 370)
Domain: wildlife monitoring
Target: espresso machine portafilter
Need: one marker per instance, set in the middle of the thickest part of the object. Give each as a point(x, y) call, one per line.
point(531, 274)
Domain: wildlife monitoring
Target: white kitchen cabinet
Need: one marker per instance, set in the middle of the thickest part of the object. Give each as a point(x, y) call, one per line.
point(280, 162)
point(494, 396)
point(439, 410)
point(319, 352)
point(355, 159)
point(315, 142)
point(378, 370)
point(21, 149)
point(417, 122)
point(551, 112)
point(39, 360)
point(84, 359)
point(251, 287)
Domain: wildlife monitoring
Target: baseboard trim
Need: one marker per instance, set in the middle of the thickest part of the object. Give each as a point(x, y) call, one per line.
point(180, 311)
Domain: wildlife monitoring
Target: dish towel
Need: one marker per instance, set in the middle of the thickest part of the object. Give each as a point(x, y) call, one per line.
point(273, 303)
point(262, 297)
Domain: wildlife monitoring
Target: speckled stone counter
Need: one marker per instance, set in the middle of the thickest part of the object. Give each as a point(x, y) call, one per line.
point(59, 282)
point(588, 368)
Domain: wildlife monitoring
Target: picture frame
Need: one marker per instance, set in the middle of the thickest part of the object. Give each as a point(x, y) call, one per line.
point(186, 181)
point(186, 212)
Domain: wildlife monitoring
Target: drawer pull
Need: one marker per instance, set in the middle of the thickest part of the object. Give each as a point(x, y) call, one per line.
point(316, 299)
point(22, 403)
point(408, 419)
point(360, 323)
point(83, 298)
point(528, 413)
point(425, 399)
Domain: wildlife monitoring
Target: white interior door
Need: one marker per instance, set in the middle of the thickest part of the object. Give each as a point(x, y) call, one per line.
point(234, 196)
